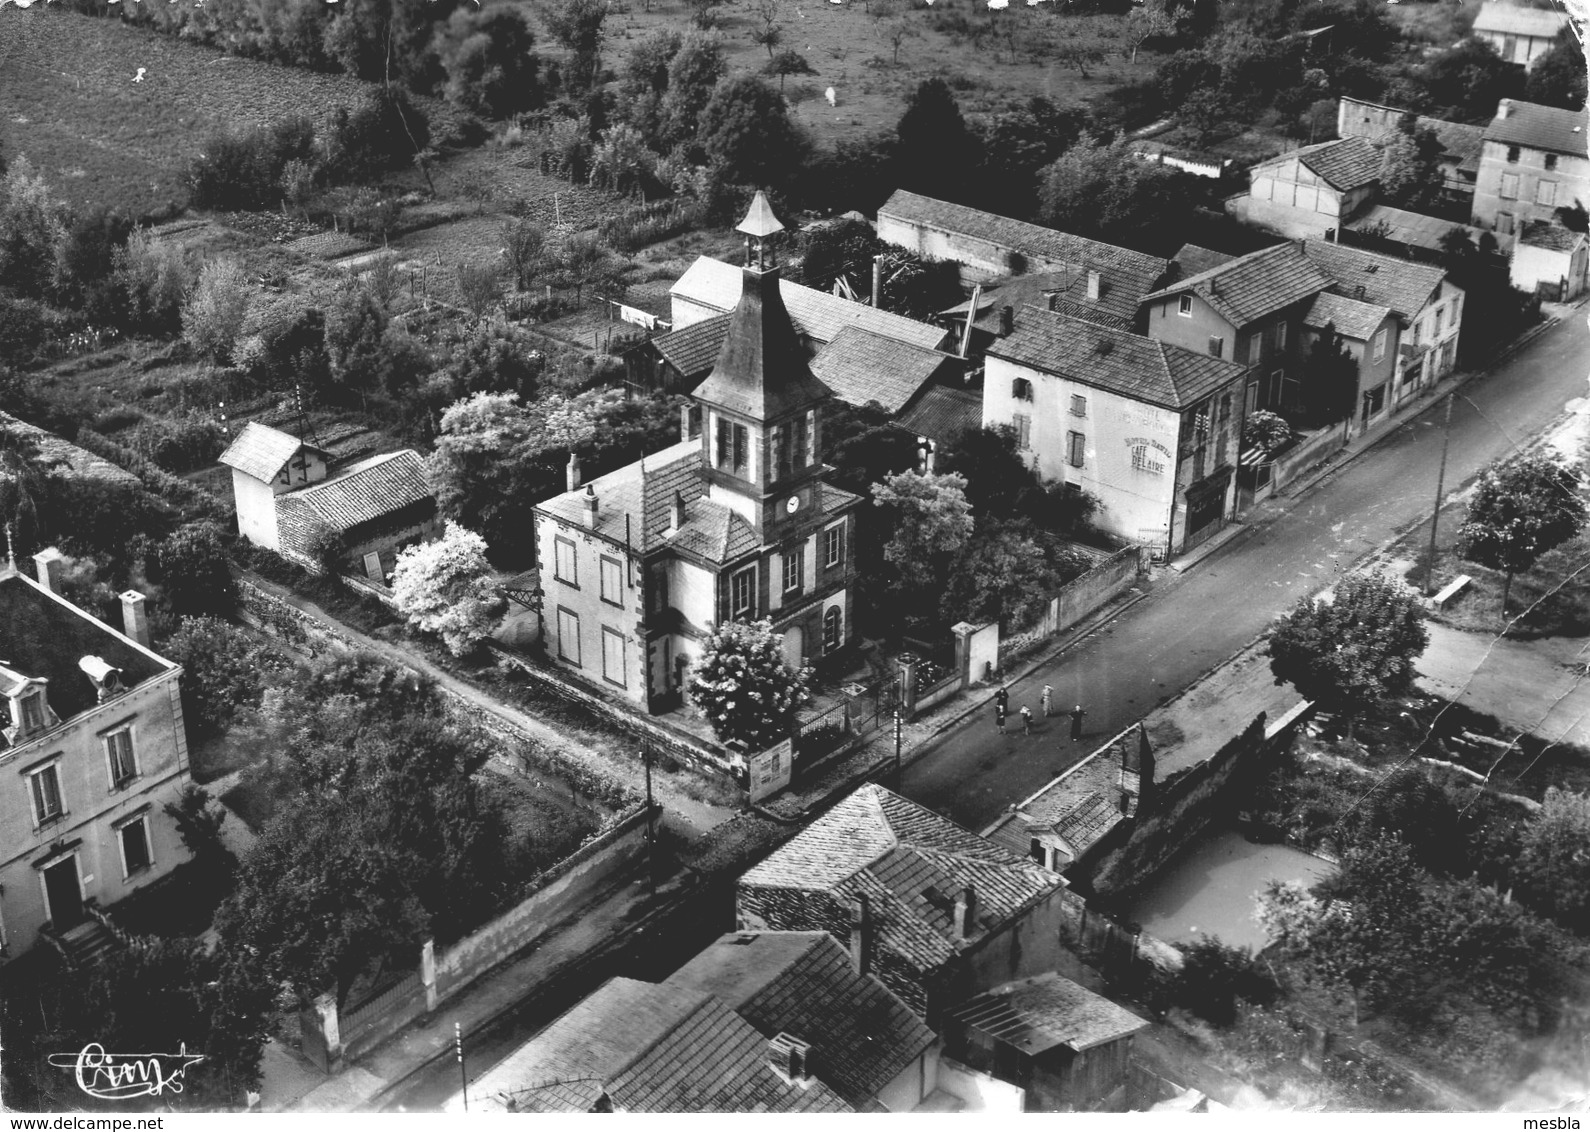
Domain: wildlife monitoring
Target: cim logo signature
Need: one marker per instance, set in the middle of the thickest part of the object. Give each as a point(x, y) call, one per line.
point(126, 1076)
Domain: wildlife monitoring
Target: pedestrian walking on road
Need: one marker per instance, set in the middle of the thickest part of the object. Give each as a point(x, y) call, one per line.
point(1002, 698)
point(1076, 722)
point(1026, 720)
point(999, 716)
point(1048, 694)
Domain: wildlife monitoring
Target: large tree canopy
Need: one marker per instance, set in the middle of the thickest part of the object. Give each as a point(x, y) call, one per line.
point(1521, 509)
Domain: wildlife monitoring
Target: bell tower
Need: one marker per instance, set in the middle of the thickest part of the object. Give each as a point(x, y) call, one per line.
point(761, 405)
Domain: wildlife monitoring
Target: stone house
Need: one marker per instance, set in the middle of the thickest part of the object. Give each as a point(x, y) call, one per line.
point(291, 499)
point(1519, 34)
point(1067, 1048)
point(733, 522)
point(1460, 143)
point(1149, 428)
point(936, 912)
point(1314, 191)
point(1535, 161)
point(95, 746)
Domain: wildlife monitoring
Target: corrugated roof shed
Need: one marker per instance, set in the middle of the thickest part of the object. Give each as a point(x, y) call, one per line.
point(909, 862)
point(1539, 127)
point(1127, 275)
point(860, 366)
point(1387, 280)
point(1512, 19)
point(260, 451)
point(815, 314)
point(1351, 318)
point(1345, 164)
point(1045, 1011)
point(804, 984)
point(942, 413)
point(1144, 369)
point(1254, 286)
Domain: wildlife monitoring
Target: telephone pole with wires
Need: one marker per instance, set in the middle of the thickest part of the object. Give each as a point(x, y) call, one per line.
point(1440, 488)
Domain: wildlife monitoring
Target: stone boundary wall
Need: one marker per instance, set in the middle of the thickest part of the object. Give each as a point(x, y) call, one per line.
point(685, 748)
point(1075, 600)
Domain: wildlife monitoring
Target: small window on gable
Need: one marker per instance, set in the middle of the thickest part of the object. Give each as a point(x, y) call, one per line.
point(1184, 306)
point(1380, 344)
point(1551, 161)
point(1021, 389)
point(1217, 346)
point(1079, 406)
point(1512, 155)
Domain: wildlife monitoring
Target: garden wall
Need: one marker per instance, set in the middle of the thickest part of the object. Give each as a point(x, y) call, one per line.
point(1075, 600)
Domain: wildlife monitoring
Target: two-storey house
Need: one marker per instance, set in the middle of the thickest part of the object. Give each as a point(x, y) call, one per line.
point(1150, 429)
point(1535, 161)
point(92, 748)
point(734, 522)
point(1519, 34)
point(1313, 191)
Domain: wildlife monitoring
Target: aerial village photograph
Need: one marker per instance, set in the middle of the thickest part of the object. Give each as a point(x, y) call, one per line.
point(794, 556)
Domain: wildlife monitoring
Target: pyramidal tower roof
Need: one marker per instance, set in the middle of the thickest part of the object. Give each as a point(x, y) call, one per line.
point(761, 372)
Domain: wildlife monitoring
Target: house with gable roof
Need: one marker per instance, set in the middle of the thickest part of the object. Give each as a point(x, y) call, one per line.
point(938, 913)
point(1313, 191)
point(1149, 428)
point(1551, 261)
point(1536, 160)
point(1400, 320)
point(290, 499)
point(1519, 34)
point(734, 522)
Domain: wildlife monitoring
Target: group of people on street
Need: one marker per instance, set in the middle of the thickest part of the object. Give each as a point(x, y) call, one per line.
point(1045, 702)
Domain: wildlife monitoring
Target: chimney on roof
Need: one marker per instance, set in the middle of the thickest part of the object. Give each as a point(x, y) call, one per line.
point(1094, 286)
point(573, 472)
point(49, 563)
point(676, 513)
point(1054, 299)
point(134, 617)
point(1504, 108)
point(1007, 320)
point(877, 279)
point(105, 678)
point(790, 1058)
point(965, 913)
point(861, 932)
point(1214, 285)
point(590, 505)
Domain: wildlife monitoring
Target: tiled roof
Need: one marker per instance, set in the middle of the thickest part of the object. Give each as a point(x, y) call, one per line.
point(1126, 275)
point(711, 530)
point(1460, 142)
point(804, 984)
point(61, 457)
point(909, 862)
point(693, 349)
point(1193, 260)
point(1415, 228)
point(43, 636)
point(260, 451)
point(1252, 286)
point(860, 366)
point(648, 1048)
point(1144, 369)
point(1553, 237)
point(762, 371)
point(815, 314)
point(1387, 280)
point(1513, 19)
point(1540, 127)
point(1064, 291)
point(1346, 163)
point(942, 413)
point(1045, 1011)
point(1081, 806)
point(1351, 318)
point(361, 493)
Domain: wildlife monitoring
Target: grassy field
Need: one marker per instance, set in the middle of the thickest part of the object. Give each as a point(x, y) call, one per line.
point(851, 50)
point(68, 103)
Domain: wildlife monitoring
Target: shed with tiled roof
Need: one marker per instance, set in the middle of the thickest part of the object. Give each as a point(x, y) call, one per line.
point(373, 509)
point(861, 367)
point(1347, 163)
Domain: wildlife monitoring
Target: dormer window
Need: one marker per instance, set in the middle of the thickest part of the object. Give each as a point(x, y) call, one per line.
point(30, 713)
point(1184, 306)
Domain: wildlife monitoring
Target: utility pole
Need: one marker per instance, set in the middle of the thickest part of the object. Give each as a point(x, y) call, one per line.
point(463, 1077)
point(898, 729)
point(651, 837)
point(1440, 486)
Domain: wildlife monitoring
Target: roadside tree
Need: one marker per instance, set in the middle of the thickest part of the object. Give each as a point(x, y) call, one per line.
point(445, 587)
point(1521, 509)
point(932, 522)
point(744, 687)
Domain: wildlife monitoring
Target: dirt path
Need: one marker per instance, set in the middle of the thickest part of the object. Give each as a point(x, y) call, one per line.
point(1535, 686)
point(695, 816)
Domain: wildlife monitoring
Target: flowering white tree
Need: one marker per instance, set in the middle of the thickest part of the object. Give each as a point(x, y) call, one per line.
point(445, 587)
point(744, 687)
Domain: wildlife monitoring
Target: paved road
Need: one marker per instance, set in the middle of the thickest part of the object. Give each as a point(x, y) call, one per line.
point(1190, 623)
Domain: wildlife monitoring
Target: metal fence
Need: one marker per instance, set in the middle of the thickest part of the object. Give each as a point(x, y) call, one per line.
point(398, 994)
point(862, 709)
